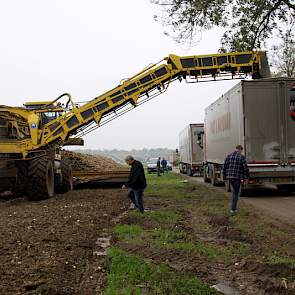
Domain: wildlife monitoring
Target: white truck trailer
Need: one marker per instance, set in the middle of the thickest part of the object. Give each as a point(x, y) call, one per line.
point(190, 150)
point(260, 116)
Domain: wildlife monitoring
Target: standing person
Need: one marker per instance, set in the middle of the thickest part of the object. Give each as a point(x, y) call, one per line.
point(159, 166)
point(136, 183)
point(164, 165)
point(236, 171)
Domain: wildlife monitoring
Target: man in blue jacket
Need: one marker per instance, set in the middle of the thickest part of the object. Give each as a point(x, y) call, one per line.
point(136, 183)
point(236, 171)
point(164, 165)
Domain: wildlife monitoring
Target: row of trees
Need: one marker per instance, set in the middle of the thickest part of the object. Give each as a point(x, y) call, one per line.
point(248, 25)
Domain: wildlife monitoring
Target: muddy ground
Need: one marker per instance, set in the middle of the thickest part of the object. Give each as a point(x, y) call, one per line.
point(251, 253)
point(241, 276)
point(54, 246)
point(50, 246)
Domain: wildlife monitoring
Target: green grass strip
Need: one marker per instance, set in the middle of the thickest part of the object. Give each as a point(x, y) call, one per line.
point(172, 186)
point(178, 240)
point(129, 274)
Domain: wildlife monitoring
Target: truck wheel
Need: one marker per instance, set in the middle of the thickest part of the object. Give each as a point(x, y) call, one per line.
point(205, 175)
point(180, 169)
point(213, 176)
point(20, 186)
point(285, 188)
point(227, 186)
point(189, 171)
point(41, 179)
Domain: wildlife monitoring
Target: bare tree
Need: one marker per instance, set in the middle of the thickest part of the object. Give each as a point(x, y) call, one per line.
point(283, 55)
point(248, 23)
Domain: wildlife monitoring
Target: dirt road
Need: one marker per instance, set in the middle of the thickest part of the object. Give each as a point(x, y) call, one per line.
point(274, 204)
point(268, 200)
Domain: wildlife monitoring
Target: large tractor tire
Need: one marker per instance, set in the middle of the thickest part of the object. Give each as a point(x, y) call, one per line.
point(40, 179)
point(67, 177)
point(21, 181)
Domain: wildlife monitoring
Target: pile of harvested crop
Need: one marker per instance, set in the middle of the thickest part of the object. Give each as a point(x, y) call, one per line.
point(86, 162)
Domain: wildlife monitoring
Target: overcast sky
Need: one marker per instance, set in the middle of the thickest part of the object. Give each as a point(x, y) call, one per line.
point(85, 48)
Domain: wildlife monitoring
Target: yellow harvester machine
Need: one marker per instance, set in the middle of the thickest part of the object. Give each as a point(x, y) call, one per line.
point(31, 137)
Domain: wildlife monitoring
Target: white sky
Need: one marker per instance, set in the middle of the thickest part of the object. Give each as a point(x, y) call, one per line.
point(85, 48)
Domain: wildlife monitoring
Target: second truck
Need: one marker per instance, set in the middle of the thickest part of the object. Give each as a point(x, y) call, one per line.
point(190, 150)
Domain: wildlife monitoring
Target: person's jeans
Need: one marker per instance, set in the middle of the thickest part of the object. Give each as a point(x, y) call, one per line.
point(136, 196)
point(159, 171)
point(236, 186)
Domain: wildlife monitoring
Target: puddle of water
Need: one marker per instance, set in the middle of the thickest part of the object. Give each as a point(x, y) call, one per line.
point(226, 289)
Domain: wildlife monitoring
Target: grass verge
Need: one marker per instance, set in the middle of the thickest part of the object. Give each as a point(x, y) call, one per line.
point(190, 226)
point(179, 241)
point(129, 274)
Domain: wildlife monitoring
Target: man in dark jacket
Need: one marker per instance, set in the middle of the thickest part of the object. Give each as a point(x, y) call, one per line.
point(235, 170)
point(159, 166)
point(136, 183)
point(164, 165)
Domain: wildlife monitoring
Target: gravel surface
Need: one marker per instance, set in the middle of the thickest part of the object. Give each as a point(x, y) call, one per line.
point(267, 200)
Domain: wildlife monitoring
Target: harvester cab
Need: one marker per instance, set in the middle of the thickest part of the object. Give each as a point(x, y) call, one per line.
point(48, 110)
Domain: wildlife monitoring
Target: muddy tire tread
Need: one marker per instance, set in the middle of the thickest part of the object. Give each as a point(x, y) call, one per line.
point(37, 189)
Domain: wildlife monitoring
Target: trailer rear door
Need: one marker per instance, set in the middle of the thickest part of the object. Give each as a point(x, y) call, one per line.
point(268, 125)
point(197, 152)
point(288, 90)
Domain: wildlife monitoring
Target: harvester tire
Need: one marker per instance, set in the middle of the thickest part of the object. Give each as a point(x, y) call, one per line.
point(40, 178)
point(67, 176)
point(20, 186)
